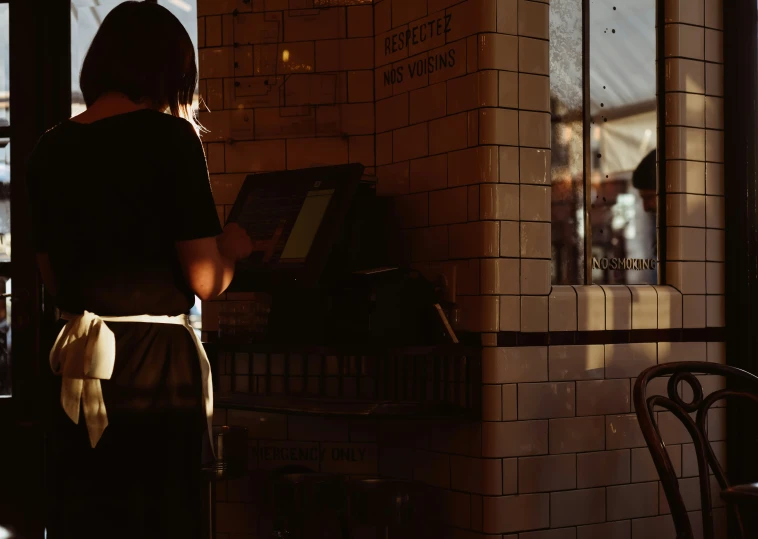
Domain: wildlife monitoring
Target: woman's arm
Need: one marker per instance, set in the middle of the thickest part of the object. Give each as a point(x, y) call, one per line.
point(208, 263)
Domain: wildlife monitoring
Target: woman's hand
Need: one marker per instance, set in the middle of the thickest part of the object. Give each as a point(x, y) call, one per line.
point(234, 242)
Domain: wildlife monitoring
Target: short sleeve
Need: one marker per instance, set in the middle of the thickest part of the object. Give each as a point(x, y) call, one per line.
point(192, 209)
point(40, 215)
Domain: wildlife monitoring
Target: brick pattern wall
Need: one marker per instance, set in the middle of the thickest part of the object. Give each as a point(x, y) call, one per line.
point(447, 102)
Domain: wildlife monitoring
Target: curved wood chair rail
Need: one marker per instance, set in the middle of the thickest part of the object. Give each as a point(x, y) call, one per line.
point(740, 385)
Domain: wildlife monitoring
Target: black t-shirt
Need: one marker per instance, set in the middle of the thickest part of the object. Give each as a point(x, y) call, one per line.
point(109, 200)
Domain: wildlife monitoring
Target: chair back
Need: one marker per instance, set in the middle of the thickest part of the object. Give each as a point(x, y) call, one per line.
point(740, 385)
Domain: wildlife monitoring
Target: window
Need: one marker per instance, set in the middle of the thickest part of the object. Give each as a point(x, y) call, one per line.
point(5, 202)
point(86, 16)
point(604, 135)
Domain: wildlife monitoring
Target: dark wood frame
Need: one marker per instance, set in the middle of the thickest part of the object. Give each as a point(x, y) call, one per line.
point(741, 272)
point(40, 97)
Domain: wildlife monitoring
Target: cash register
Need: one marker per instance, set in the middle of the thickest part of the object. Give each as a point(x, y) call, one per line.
point(323, 250)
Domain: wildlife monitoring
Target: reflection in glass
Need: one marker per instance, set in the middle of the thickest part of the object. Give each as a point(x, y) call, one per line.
point(86, 17)
point(5, 114)
point(623, 138)
point(567, 133)
point(5, 200)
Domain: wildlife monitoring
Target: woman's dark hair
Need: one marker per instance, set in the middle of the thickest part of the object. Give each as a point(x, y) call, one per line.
point(143, 51)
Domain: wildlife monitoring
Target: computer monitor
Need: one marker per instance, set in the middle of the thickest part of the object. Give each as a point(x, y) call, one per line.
point(294, 218)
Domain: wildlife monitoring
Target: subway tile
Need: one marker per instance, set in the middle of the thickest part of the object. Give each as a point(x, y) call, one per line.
point(685, 143)
point(298, 57)
point(473, 166)
point(621, 529)
point(492, 402)
point(499, 202)
point(694, 308)
point(714, 114)
point(535, 203)
point(689, 489)
point(687, 277)
point(478, 313)
point(474, 240)
point(498, 51)
point(360, 21)
point(473, 202)
point(546, 400)
point(714, 14)
point(628, 360)
point(685, 243)
point(392, 113)
point(716, 352)
point(685, 210)
point(510, 476)
point(535, 242)
point(714, 178)
point(623, 432)
point(217, 62)
point(258, 156)
point(432, 469)
point(577, 507)
point(322, 151)
point(498, 126)
point(428, 103)
point(681, 351)
point(216, 158)
point(430, 244)
point(669, 307)
point(510, 313)
point(591, 308)
point(546, 474)
point(534, 314)
point(360, 86)
point(603, 468)
point(510, 402)
point(562, 533)
point(492, 476)
point(514, 365)
point(456, 50)
point(535, 166)
point(472, 128)
point(534, 90)
point(473, 91)
point(410, 142)
point(660, 527)
point(562, 305)
point(685, 177)
point(448, 134)
point(714, 46)
point(618, 307)
point(534, 129)
point(284, 122)
point(714, 278)
point(535, 278)
point(392, 180)
point(684, 109)
point(509, 239)
point(514, 439)
point(585, 362)
point(314, 24)
point(509, 164)
point(577, 434)
point(384, 148)
point(643, 468)
point(714, 79)
point(715, 311)
point(644, 307)
point(685, 11)
point(516, 513)
point(598, 397)
point(344, 54)
point(508, 89)
point(683, 75)
point(632, 501)
point(714, 212)
point(447, 206)
point(428, 174)
point(213, 31)
point(684, 41)
point(500, 276)
point(533, 19)
point(507, 16)
point(714, 146)
point(533, 56)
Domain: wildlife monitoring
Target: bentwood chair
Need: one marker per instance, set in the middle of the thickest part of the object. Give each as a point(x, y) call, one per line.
point(741, 385)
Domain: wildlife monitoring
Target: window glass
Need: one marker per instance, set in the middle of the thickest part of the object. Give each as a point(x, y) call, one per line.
point(566, 98)
point(623, 137)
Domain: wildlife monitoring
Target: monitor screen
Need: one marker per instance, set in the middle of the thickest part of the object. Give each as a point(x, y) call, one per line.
point(292, 216)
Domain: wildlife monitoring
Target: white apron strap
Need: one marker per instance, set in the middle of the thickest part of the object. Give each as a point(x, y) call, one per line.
point(85, 353)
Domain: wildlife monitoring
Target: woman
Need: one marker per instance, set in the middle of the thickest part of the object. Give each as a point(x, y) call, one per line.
point(126, 227)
